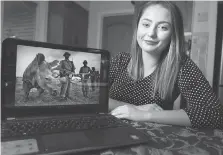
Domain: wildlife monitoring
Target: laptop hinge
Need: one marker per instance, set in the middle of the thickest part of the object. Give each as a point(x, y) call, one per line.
point(101, 113)
point(10, 118)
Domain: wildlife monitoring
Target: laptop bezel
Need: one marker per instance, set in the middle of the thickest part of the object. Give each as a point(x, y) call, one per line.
point(8, 81)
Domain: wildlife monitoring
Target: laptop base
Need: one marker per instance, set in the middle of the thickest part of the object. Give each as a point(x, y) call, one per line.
point(75, 142)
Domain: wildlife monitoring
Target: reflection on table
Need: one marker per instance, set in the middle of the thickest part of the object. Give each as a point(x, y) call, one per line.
point(173, 140)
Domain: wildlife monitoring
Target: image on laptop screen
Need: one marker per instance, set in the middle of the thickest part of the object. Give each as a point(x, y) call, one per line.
point(42, 78)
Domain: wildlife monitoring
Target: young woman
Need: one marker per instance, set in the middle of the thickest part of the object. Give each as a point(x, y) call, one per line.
point(157, 71)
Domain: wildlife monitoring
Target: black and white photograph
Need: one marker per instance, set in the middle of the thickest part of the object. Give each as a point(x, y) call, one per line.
point(44, 78)
point(112, 77)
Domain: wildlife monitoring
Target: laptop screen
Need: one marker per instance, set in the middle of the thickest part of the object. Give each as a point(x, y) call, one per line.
point(44, 78)
point(47, 78)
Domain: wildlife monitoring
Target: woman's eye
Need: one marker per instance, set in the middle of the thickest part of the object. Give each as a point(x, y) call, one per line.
point(146, 24)
point(164, 28)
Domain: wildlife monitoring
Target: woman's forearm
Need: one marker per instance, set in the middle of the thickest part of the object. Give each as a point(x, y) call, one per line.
point(114, 104)
point(173, 117)
point(151, 114)
point(149, 107)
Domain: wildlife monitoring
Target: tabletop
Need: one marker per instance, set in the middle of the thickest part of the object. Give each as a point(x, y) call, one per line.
point(173, 140)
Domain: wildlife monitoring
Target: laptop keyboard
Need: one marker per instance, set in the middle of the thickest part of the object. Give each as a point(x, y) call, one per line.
point(40, 126)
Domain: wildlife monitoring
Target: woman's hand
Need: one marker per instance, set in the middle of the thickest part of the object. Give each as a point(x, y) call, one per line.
point(130, 112)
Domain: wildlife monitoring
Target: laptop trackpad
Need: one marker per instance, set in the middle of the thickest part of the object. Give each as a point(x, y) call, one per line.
point(64, 141)
point(92, 139)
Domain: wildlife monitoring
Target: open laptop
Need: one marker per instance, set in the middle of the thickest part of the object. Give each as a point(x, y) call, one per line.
point(34, 118)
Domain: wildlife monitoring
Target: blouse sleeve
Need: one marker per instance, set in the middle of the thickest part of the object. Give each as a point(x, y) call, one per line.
point(203, 107)
point(113, 69)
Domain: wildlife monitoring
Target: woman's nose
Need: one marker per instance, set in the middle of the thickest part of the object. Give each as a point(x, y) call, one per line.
point(152, 32)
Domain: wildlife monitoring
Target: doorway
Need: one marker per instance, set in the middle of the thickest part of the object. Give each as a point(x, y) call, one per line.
point(218, 61)
point(117, 34)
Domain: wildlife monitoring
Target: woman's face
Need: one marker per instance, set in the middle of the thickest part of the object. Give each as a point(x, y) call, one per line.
point(154, 29)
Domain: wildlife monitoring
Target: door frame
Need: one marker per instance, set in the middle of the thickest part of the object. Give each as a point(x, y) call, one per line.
point(218, 49)
point(41, 20)
point(107, 14)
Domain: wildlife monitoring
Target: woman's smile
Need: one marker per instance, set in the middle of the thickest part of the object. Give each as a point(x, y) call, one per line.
point(149, 42)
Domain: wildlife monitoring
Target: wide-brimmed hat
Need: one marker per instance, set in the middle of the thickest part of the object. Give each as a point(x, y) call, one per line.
point(85, 61)
point(66, 53)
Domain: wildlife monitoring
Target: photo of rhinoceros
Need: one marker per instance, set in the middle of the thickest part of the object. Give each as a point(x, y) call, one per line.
point(38, 80)
point(38, 75)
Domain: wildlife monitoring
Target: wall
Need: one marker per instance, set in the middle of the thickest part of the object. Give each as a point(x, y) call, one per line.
point(42, 18)
point(55, 22)
point(97, 10)
point(19, 19)
point(204, 22)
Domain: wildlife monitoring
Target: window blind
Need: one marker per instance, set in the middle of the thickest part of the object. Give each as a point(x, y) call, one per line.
point(19, 20)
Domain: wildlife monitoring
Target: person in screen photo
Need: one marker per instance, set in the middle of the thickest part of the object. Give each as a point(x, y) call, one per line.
point(85, 74)
point(66, 72)
point(93, 78)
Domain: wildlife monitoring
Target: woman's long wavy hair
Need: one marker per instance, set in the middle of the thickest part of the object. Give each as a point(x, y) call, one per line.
point(165, 74)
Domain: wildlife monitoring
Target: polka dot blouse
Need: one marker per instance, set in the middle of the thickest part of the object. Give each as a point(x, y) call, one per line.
point(203, 107)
